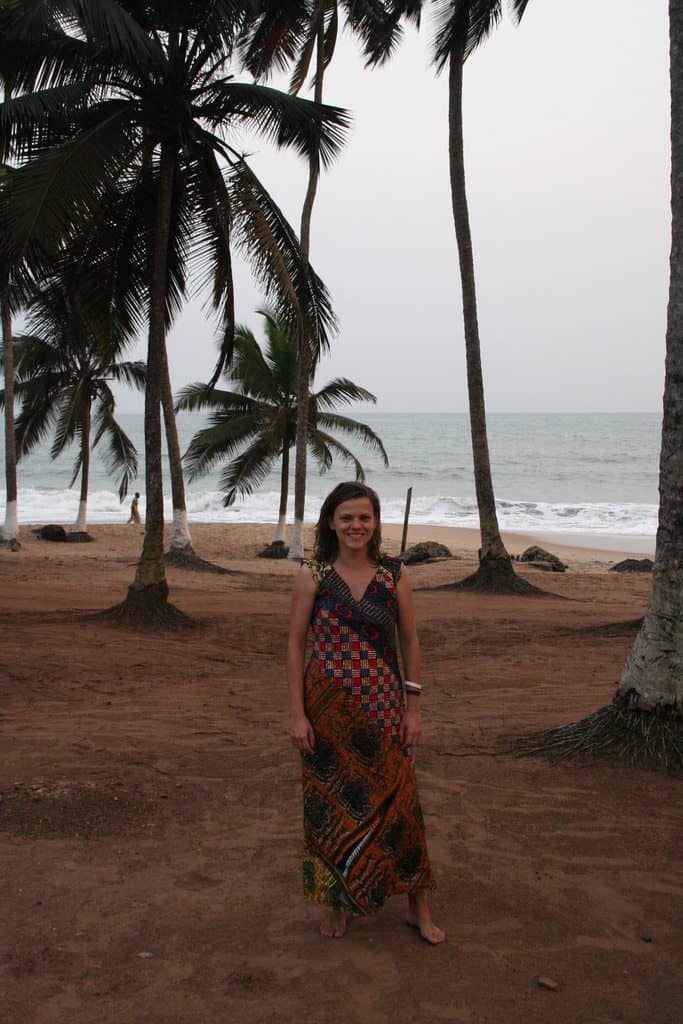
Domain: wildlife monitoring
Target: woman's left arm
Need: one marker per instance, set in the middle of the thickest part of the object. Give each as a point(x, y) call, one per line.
point(411, 725)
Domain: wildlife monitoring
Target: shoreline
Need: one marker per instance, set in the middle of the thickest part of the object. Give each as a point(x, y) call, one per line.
point(464, 541)
point(585, 546)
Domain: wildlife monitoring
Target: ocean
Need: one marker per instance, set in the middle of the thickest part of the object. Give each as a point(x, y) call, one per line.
point(567, 474)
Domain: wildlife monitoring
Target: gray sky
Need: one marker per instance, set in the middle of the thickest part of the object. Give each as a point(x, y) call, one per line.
point(567, 151)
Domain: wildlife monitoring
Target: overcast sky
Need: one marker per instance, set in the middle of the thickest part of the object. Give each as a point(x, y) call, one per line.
point(567, 154)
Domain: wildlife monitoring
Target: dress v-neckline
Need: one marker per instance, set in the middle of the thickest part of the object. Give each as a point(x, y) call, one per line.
point(356, 600)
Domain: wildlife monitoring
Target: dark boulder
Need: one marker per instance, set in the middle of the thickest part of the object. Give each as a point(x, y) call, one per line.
point(542, 559)
point(424, 552)
point(634, 565)
point(276, 549)
point(51, 532)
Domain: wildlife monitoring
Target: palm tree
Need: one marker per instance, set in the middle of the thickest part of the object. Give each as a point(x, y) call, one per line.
point(63, 380)
point(644, 722)
point(10, 531)
point(141, 100)
point(259, 419)
point(299, 32)
point(461, 27)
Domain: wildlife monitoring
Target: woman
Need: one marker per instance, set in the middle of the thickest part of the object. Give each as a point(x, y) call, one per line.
point(355, 722)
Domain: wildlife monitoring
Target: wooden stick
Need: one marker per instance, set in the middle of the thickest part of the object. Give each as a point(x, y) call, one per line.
point(404, 538)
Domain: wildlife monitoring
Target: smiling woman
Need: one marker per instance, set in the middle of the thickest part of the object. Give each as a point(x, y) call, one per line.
point(355, 722)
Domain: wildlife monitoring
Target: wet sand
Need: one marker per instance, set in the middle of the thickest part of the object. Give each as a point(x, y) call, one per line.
point(150, 813)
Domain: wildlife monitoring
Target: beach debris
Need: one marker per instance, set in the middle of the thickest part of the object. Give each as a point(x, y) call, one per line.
point(539, 558)
point(633, 565)
point(51, 532)
point(548, 983)
point(10, 545)
point(424, 552)
point(276, 549)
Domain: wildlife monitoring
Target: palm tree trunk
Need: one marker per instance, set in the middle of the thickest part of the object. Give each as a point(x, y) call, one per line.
point(149, 591)
point(284, 488)
point(296, 547)
point(80, 526)
point(653, 676)
point(181, 541)
point(10, 532)
point(492, 554)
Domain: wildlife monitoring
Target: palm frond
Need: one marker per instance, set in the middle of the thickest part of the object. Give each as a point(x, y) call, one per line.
point(78, 463)
point(32, 425)
point(121, 455)
point(270, 244)
point(112, 28)
point(211, 246)
point(247, 471)
point(132, 373)
point(353, 428)
point(342, 391)
point(303, 62)
point(64, 186)
point(316, 131)
point(336, 447)
point(276, 36)
point(221, 440)
point(68, 418)
point(198, 397)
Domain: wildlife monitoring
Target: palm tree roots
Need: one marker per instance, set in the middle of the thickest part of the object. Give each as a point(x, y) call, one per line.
point(644, 737)
point(495, 576)
point(187, 559)
point(147, 606)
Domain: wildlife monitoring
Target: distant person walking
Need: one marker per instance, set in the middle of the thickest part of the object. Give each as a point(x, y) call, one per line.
point(134, 516)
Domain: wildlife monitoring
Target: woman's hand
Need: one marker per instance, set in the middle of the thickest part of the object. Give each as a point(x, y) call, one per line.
point(302, 734)
point(411, 728)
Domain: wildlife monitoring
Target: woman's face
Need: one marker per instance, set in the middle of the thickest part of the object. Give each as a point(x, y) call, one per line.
point(354, 523)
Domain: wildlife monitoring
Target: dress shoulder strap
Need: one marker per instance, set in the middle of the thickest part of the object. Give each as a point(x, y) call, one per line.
point(394, 565)
point(319, 570)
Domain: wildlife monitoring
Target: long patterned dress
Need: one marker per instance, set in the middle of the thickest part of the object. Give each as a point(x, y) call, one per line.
point(363, 828)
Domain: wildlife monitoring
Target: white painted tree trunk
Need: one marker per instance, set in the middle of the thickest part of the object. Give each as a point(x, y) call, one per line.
point(281, 528)
point(80, 526)
point(10, 530)
point(296, 542)
point(180, 539)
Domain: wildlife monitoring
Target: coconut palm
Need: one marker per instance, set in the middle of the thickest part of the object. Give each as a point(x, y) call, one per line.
point(255, 424)
point(10, 531)
point(64, 374)
point(644, 722)
point(303, 32)
point(461, 27)
point(142, 100)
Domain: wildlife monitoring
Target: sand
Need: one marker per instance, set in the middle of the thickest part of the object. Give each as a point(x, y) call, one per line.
point(150, 813)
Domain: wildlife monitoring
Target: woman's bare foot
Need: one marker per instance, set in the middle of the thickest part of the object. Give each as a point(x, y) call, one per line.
point(333, 925)
point(420, 917)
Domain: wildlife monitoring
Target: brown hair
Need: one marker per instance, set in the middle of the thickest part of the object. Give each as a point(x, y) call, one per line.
point(326, 546)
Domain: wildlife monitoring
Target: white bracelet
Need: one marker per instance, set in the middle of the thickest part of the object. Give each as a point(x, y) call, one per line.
point(410, 685)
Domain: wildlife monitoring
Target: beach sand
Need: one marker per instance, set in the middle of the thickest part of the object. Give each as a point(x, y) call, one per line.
point(150, 815)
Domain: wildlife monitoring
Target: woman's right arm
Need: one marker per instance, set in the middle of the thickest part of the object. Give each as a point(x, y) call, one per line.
point(303, 600)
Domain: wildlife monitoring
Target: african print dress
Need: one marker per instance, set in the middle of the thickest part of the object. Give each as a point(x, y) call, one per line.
point(363, 828)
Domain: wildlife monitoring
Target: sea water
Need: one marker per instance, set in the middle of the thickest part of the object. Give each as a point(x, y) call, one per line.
point(554, 473)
